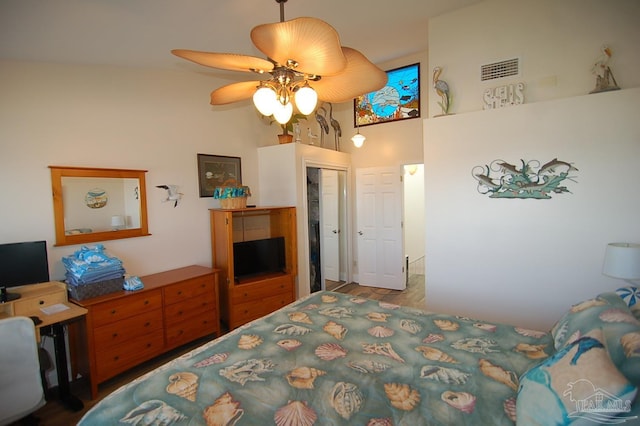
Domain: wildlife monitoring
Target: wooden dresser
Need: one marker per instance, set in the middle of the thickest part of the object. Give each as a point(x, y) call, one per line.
point(126, 328)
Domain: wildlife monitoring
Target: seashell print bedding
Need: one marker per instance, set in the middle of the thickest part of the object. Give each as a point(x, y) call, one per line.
point(334, 359)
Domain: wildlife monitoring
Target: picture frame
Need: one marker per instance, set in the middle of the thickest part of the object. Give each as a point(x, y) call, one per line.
point(215, 170)
point(398, 100)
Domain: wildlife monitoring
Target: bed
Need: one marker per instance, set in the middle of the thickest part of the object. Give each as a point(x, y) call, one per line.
point(336, 359)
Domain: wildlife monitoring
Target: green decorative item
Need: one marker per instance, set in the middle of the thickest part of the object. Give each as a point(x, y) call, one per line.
point(503, 180)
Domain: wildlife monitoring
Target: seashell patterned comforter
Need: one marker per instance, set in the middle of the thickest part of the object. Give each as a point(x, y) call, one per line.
point(335, 359)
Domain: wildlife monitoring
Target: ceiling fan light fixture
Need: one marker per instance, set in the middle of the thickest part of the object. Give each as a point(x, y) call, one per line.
point(282, 113)
point(265, 100)
point(306, 99)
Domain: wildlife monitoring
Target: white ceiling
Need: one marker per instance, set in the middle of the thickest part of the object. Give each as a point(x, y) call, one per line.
point(141, 33)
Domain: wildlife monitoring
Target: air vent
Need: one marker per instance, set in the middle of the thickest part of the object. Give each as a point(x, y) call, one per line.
point(500, 69)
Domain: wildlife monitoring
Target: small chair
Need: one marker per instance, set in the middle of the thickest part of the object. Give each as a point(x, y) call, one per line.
point(21, 390)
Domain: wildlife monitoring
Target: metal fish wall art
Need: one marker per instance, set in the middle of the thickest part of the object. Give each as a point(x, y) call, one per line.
point(531, 179)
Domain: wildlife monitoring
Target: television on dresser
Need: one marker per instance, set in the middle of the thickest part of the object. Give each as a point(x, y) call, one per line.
point(258, 257)
point(20, 264)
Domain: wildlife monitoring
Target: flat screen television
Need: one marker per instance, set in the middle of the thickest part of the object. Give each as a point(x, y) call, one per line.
point(21, 264)
point(258, 257)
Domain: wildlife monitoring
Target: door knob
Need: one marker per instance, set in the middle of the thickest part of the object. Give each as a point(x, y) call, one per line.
point(359, 232)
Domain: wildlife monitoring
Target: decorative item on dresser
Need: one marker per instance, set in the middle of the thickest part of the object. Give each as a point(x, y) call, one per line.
point(126, 328)
point(255, 250)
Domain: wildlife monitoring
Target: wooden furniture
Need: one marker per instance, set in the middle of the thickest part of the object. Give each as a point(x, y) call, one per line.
point(247, 299)
point(35, 297)
point(126, 328)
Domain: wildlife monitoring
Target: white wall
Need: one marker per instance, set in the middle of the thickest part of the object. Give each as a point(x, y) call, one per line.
point(414, 226)
point(526, 261)
point(557, 43)
point(159, 121)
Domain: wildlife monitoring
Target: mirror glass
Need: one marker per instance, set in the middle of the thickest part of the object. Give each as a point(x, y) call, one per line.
point(93, 205)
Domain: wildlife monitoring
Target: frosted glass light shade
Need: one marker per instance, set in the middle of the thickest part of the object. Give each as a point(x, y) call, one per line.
point(622, 260)
point(265, 100)
point(306, 99)
point(283, 113)
point(358, 140)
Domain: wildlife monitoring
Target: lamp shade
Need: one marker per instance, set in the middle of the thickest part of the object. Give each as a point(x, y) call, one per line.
point(117, 221)
point(306, 99)
point(265, 100)
point(282, 113)
point(622, 260)
point(358, 140)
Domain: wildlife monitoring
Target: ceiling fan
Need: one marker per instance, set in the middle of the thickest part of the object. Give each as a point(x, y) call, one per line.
point(304, 61)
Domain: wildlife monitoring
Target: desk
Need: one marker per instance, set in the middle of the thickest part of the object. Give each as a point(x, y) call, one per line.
point(32, 299)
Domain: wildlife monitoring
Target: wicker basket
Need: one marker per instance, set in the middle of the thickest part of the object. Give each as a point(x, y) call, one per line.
point(233, 203)
point(232, 195)
point(86, 291)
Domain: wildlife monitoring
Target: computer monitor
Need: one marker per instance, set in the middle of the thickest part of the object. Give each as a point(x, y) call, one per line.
point(21, 264)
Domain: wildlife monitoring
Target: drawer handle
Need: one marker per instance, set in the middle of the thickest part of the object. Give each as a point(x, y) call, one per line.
point(181, 332)
point(115, 335)
point(246, 295)
point(148, 345)
point(246, 311)
point(113, 312)
point(179, 292)
point(147, 324)
point(116, 358)
point(146, 302)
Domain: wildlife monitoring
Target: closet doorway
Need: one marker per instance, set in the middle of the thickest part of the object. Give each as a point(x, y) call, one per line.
point(327, 228)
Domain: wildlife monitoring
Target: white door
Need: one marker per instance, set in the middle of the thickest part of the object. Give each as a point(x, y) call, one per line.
point(379, 227)
point(329, 225)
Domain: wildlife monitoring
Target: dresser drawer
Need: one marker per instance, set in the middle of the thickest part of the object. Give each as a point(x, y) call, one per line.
point(116, 333)
point(259, 291)
point(248, 311)
point(188, 289)
point(125, 307)
point(119, 358)
point(190, 307)
point(192, 328)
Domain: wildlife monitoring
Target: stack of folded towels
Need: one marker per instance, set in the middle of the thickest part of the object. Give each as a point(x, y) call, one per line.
point(92, 265)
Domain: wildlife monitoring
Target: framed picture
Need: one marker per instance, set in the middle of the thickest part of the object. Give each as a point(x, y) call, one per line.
point(398, 100)
point(214, 170)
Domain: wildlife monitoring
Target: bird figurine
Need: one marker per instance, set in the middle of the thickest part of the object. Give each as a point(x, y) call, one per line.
point(322, 121)
point(603, 73)
point(442, 89)
point(337, 131)
point(172, 193)
point(311, 136)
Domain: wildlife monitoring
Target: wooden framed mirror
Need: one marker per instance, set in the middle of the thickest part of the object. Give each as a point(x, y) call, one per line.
point(91, 205)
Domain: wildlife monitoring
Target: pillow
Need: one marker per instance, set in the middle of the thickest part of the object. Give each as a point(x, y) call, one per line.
point(578, 384)
point(621, 330)
point(631, 296)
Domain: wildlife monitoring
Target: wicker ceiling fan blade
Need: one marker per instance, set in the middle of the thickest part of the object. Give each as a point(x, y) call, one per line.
point(359, 77)
point(225, 61)
point(234, 92)
point(312, 43)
